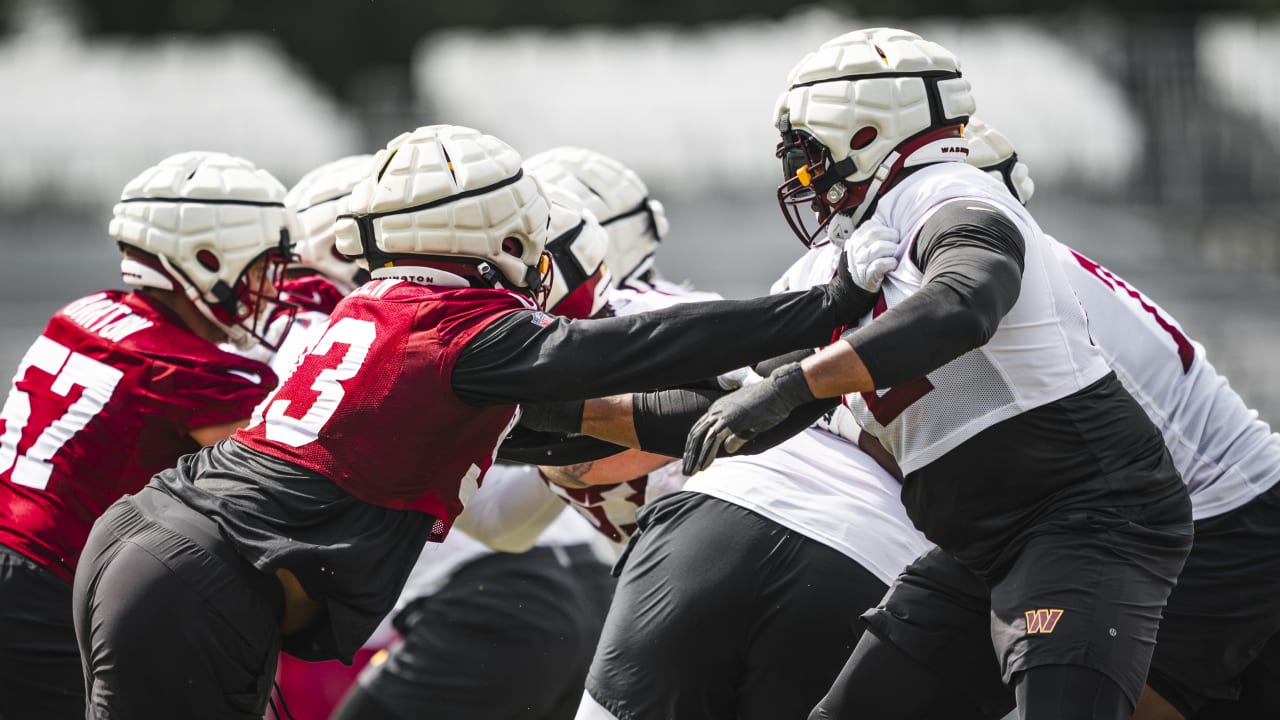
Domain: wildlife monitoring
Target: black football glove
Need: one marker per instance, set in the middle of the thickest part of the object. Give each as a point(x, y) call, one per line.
point(741, 415)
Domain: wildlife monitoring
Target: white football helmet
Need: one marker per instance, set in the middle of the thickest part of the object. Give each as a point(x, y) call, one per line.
point(991, 151)
point(580, 278)
point(318, 199)
point(635, 222)
point(453, 199)
point(857, 112)
point(200, 220)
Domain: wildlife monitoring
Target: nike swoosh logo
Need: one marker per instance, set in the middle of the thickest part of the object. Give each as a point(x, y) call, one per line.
point(252, 377)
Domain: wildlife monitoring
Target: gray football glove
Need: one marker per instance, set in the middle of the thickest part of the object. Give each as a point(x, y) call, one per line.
point(743, 414)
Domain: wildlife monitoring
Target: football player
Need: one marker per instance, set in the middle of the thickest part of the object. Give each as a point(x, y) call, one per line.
point(120, 385)
point(1226, 606)
point(301, 529)
point(501, 619)
point(1024, 458)
point(768, 560)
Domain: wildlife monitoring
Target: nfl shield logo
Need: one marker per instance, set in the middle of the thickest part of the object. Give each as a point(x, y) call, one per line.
point(541, 319)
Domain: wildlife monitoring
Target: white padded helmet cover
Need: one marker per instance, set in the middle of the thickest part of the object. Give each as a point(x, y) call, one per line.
point(431, 165)
point(163, 212)
point(611, 191)
point(988, 149)
point(833, 110)
point(318, 199)
point(588, 248)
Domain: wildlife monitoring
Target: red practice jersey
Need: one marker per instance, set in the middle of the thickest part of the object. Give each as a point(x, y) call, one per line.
point(103, 400)
point(370, 405)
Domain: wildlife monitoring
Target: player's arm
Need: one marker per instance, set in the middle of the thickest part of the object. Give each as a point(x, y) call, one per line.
point(533, 447)
point(510, 510)
point(660, 421)
point(971, 256)
point(214, 434)
point(516, 359)
point(622, 467)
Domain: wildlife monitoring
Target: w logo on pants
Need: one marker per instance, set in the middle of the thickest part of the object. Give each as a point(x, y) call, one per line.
point(1043, 621)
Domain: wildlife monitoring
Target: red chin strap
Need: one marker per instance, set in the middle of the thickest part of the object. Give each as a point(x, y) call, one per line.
point(820, 188)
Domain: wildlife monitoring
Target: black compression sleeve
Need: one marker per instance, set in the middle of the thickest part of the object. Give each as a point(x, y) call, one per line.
point(663, 419)
point(517, 359)
point(539, 448)
point(972, 258)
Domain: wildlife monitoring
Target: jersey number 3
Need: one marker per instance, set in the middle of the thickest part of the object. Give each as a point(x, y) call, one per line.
point(299, 428)
point(67, 370)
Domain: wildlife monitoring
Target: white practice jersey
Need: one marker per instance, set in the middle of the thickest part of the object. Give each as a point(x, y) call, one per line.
point(1226, 455)
point(824, 488)
point(817, 483)
point(1040, 352)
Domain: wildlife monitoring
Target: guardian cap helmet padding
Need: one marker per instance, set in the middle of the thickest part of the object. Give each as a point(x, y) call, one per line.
point(991, 151)
point(581, 280)
point(635, 222)
point(198, 222)
point(454, 199)
point(318, 199)
point(858, 112)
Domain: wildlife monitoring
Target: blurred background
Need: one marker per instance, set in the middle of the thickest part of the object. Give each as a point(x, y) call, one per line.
point(1151, 128)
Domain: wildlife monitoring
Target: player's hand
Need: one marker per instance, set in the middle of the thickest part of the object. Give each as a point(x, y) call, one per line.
point(871, 253)
point(741, 415)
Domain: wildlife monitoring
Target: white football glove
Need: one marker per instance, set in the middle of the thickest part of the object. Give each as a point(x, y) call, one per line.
point(871, 253)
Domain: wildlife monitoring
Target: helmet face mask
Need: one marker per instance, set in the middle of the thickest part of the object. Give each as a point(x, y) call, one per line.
point(254, 305)
point(805, 169)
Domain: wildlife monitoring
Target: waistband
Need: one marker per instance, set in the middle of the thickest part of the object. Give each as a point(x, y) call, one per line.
point(201, 531)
